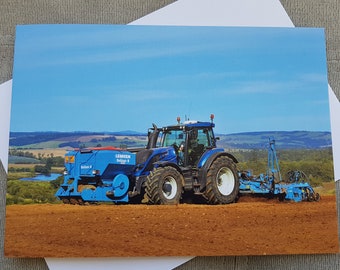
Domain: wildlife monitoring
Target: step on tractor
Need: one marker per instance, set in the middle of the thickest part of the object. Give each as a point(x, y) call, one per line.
point(178, 160)
point(296, 187)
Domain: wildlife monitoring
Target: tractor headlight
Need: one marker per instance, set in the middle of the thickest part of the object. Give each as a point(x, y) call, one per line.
point(96, 172)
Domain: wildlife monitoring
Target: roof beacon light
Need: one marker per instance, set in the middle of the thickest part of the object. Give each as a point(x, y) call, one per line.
point(212, 116)
point(178, 119)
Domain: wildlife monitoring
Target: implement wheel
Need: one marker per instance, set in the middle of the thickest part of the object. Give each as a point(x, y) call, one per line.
point(222, 182)
point(313, 197)
point(74, 201)
point(66, 201)
point(317, 197)
point(164, 185)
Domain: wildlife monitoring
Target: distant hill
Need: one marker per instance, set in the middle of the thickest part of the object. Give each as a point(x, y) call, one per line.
point(128, 133)
point(52, 139)
point(246, 140)
point(283, 140)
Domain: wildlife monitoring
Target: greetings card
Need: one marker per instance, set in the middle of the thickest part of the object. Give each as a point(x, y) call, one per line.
point(140, 140)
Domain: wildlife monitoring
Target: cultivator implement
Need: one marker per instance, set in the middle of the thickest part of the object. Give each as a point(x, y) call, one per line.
point(295, 188)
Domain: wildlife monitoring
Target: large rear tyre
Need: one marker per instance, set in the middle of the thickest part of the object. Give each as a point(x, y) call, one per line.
point(164, 185)
point(222, 182)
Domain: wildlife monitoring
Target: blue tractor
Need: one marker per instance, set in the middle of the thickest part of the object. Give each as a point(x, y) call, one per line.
point(178, 160)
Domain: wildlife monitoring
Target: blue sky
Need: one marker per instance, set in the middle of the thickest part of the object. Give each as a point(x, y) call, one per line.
point(118, 77)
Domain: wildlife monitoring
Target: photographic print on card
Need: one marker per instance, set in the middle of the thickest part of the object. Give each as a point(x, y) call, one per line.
point(169, 141)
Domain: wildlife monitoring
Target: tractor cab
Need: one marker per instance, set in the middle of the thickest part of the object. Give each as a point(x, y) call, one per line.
point(190, 140)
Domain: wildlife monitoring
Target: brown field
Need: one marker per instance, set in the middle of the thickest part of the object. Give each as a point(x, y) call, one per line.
point(57, 152)
point(251, 226)
point(21, 165)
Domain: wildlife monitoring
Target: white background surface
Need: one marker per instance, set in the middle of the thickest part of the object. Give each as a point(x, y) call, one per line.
point(334, 105)
point(5, 110)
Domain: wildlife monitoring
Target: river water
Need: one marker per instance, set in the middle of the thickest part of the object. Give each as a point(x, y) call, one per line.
point(42, 177)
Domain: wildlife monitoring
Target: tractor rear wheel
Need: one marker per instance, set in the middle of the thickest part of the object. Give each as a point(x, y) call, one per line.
point(164, 185)
point(222, 182)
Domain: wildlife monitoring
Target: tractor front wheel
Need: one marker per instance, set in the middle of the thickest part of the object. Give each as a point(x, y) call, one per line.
point(164, 185)
point(222, 182)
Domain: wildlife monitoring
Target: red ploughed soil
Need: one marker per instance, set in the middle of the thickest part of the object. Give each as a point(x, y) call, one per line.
point(250, 226)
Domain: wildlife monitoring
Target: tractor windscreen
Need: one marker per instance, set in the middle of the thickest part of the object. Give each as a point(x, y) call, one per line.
point(172, 137)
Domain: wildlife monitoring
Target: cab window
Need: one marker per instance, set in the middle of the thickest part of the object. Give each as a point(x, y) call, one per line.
point(173, 137)
point(205, 137)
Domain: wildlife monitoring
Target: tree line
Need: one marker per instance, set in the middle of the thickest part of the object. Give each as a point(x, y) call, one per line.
point(28, 192)
point(46, 162)
point(316, 164)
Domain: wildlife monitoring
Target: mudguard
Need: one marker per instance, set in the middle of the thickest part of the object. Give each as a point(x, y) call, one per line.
point(205, 162)
point(158, 157)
